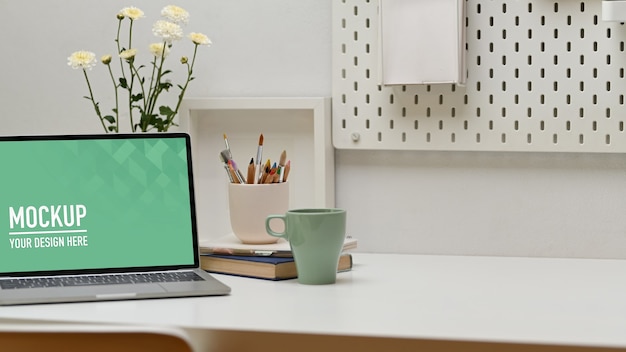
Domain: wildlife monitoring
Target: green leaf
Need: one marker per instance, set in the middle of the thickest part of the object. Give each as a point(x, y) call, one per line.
point(166, 111)
point(148, 119)
point(136, 97)
point(159, 124)
point(165, 86)
point(109, 118)
point(123, 83)
point(112, 128)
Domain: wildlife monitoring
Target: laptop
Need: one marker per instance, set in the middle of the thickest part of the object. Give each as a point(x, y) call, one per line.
point(99, 217)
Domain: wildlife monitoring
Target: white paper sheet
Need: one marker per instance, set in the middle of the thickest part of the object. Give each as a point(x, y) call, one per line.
point(422, 41)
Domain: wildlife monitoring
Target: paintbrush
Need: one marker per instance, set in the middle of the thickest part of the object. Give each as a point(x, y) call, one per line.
point(225, 155)
point(230, 155)
point(281, 165)
point(225, 161)
point(259, 165)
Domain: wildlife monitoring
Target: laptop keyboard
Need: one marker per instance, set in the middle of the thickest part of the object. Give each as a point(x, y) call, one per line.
point(110, 279)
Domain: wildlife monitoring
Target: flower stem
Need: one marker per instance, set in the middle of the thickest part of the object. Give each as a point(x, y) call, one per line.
point(115, 87)
point(136, 73)
point(130, 34)
point(132, 78)
point(154, 94)
point(95, 105)
point(119, 48)
point(122, 69)
point(155, 90)
point(152, 86)
point(170, 120)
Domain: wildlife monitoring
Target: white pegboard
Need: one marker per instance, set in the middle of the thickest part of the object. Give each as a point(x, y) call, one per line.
point(541, 76)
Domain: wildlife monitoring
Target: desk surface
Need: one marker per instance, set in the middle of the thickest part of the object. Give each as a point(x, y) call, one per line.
point(493, 299)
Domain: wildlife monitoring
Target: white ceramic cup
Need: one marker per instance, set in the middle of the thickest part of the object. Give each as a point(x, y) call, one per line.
point(249, 206)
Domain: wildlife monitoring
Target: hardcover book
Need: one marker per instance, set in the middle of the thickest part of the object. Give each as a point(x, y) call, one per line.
point(261, 267)
point(230, 245)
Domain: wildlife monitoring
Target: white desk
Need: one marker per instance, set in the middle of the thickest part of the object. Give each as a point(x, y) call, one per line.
point(442, 302)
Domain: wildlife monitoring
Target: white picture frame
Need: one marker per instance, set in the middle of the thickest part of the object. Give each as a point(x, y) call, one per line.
point(301, 126)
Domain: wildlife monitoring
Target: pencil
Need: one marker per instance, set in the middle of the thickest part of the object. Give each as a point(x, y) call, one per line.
point(266, 170)
point(230, 175)
point(238, 173)
point(273, 174)
point(270, 176)
point(259, 155)
point(233, 174)
point(287, 169)
point(251, 173)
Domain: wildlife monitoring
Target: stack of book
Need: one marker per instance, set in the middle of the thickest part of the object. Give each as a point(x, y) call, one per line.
point(271, 261)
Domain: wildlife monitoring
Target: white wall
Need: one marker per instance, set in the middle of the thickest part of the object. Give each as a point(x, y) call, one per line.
point(537, 204)
point(260, 48)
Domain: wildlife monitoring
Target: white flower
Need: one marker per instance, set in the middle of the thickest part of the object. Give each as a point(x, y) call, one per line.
point(82, 59)
point(168, 31)
point(199, 39)
point(128, 54)
point(175, 14)
point(144, 113)
point(159, 49)
point(131, 12)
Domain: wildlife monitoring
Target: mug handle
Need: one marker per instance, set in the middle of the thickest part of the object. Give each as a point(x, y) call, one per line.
point(269, 229)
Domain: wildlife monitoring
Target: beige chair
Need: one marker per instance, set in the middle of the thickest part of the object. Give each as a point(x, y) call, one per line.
point(27, 337)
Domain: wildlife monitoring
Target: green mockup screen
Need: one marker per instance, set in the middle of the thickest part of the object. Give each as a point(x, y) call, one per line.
point(96, 202)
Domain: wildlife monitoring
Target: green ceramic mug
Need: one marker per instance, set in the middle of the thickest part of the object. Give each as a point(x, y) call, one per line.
point(316, 237)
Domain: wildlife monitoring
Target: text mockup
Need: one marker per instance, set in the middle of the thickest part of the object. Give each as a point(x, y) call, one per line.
point(47, 226)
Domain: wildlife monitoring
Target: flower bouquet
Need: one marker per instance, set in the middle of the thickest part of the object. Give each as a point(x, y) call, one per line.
point(142, 85)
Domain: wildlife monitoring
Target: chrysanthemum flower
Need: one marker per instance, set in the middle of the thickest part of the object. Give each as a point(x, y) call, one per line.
point(131, 12)
point(128, 54)
point(144, 112)
point(159, 49)
point(82, 59)
point(168, 31)
point(175, 14)
point(199, 39)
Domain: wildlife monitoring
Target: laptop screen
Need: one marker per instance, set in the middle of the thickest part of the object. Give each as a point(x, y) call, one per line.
point(108, 202)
